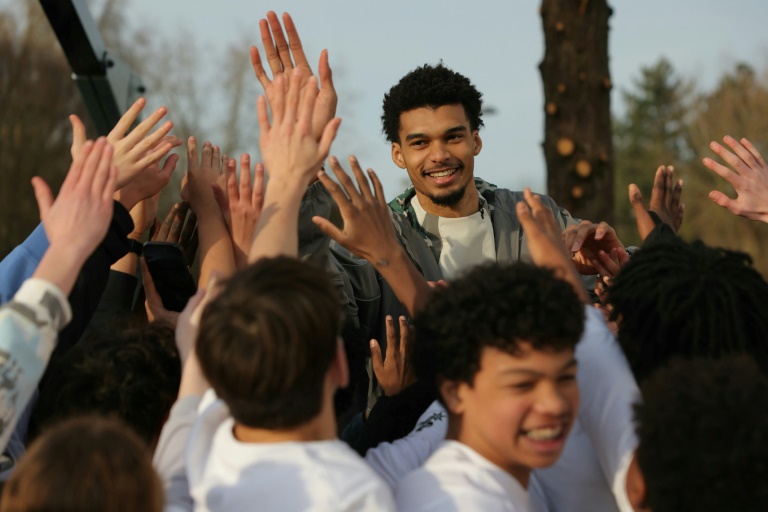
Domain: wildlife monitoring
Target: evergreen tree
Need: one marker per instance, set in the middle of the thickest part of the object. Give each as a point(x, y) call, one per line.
point(652, 132)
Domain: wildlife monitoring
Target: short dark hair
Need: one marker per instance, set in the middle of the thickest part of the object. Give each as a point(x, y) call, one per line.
point(701, 430)
point(131, 372)
point(431, 87)
point(267, 341)
point(688, 300)
point(495, 306)
point(86, 463)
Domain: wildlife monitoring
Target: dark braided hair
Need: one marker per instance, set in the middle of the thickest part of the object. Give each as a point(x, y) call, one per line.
point(689, 300)
point(432, 87)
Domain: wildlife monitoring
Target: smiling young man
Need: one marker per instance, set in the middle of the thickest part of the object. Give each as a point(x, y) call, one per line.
point(432, 117)
point(506, 375)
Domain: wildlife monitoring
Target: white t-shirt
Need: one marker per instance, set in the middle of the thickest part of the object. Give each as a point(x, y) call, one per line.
point(467, 241)
point(226, 474)
point(456, 478)
point(394, 460)
point(589, 475)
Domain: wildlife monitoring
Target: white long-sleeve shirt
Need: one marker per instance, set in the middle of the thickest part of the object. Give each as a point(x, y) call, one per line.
point(29, 326)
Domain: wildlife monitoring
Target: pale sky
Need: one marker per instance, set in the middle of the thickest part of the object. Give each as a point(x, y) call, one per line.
point(498, 44)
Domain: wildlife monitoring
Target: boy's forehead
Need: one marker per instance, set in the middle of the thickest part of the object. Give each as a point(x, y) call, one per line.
point(525, 360)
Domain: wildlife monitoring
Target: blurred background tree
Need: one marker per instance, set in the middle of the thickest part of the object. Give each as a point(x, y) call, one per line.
point(36, 97)
point(668, 121)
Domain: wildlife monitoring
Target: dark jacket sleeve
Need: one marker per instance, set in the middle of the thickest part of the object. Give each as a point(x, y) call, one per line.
point(93, 277)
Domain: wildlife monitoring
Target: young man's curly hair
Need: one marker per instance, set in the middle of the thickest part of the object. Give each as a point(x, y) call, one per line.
point(432, 87)
point(493, 306)
point(681, 299)
point(702, 436)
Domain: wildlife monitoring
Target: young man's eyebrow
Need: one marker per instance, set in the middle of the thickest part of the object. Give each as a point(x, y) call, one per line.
point(412, 136)
point(459, 128)
point(455, 129)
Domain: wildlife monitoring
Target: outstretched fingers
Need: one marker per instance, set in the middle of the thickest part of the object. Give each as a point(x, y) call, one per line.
point(257, 198)
point(269, 48)
point(346, 182)
point(127, 120)
point(742, 152)
point(43, 196)
point(294, 42)
point(362, 181)
point(755, 153)
point(78, 134)
point(281, 45)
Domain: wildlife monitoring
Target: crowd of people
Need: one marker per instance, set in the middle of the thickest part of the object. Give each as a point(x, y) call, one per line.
point(461, 347)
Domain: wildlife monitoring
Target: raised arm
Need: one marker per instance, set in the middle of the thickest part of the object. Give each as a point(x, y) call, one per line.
point(241, 205)
point(368, 232)
point(30, 322)
point(665, 202)
point(137, 150)
point(215, 245)
point(545, 242)
point(291, 155)
point(285, 54)
point(748, 174)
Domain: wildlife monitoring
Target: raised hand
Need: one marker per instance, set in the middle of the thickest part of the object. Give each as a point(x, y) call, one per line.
point(138, 149)
point(369, 233)
point(585, 240)
point(284, 56)
point(78, 220)
point(204, 172)
point(147, 183)
point(80, 215)
point(242, 205)
point(394, 373)
point(665, 202)
point(608, 264)
point(290, 151)
point(179, 228)
point(748, 174)
point(545, 241)
point(368, 230)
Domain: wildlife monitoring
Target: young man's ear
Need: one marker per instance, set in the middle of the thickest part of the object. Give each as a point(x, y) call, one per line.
point(397, 155)
point(339, 370)
point(635, 484)
point(450, 390)
point(478, 142)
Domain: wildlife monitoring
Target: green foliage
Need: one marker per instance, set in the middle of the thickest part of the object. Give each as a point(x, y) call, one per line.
point(653, 132)
point(668, 122)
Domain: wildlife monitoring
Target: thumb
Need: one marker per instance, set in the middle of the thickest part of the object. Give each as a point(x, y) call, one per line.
point(78, 134)
point(378, 361)
point(329, 229)
point(43, 195)
point(636, 198)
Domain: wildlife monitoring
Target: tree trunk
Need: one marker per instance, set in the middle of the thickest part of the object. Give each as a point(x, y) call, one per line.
point(578, 143)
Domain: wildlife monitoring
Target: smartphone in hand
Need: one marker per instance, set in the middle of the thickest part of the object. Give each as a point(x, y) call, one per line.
point(170, 273)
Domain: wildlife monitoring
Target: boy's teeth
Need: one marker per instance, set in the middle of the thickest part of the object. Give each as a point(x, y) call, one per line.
point(544, 434)
point(442, 174)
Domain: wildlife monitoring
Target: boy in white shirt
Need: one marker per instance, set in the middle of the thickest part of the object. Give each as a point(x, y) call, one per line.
point(268, 346)
point(499, 344)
